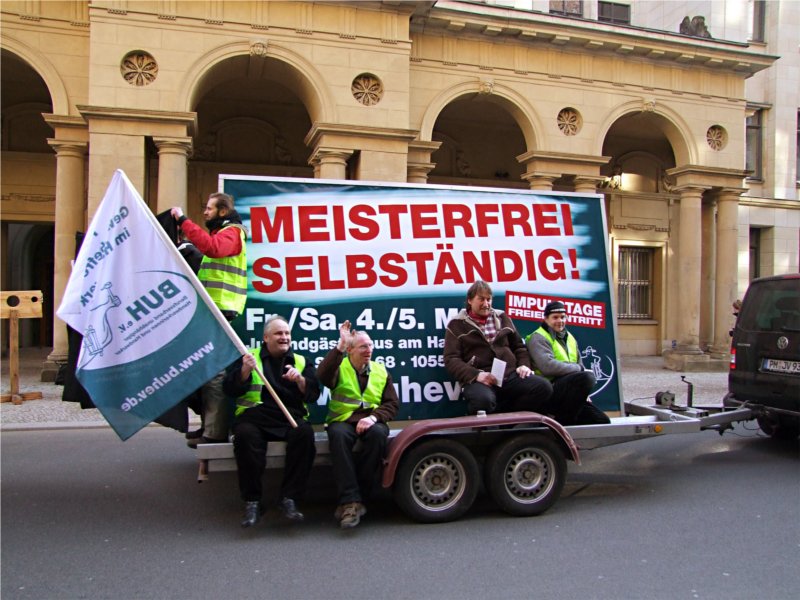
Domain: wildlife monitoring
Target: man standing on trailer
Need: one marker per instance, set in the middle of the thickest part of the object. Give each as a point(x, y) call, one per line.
point(473, 339)
point(259, 420)
point(556, 356)
point(223, 272)
point(363, 400)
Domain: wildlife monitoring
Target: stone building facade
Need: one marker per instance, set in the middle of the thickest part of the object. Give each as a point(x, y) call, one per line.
point(503, 94)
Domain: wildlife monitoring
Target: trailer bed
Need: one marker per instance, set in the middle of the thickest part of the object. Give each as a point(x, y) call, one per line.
point(642, 421)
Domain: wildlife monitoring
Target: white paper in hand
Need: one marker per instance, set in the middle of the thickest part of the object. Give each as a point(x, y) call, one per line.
point(498, 370)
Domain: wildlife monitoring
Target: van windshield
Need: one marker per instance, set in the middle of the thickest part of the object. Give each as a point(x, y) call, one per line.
point(772, 305)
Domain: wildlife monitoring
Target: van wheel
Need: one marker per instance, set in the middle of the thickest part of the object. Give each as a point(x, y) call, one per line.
point(525, 475)
point(437, 481)
point(779, 428)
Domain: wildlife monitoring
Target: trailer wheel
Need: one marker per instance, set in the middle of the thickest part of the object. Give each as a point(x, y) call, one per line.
point(525, 475)
point(779, 428)
point(437, 481)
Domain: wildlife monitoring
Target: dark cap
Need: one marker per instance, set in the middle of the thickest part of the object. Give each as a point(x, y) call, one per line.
point(553, 307)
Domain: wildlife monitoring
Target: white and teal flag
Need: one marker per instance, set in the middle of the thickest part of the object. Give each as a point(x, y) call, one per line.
point(151, 334)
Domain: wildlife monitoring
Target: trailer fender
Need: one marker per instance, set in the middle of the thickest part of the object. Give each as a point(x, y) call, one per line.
point(409, 435)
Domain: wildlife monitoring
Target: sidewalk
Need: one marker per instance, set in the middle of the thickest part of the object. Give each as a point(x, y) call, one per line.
point(642, 377)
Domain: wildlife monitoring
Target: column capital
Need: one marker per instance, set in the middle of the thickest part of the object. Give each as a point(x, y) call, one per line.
point(538, 180)
point(173, 145)
point(690, 190)
point(585, 183)
point(68, 147)
point(329, 156)
point(729, 193)
point(418, 172)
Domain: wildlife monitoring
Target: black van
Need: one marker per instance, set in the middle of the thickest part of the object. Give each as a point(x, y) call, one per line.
point(765, 355)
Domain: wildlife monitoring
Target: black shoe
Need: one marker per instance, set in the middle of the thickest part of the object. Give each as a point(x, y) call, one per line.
point(193, 435)
point(589, 414)
point(252, 513)
point(289, 510)
point(194, 442)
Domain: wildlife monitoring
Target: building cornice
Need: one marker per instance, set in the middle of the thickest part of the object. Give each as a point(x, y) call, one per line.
point(565, 33)
point(186, 119)
point(322, 129)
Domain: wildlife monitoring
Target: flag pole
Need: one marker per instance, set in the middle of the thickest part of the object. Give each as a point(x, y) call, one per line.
point(221, 320)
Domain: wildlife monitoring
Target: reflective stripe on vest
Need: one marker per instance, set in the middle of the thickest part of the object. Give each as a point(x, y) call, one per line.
point(225, 279)
point(253, 395)
point(346, 397)
point(570, 354)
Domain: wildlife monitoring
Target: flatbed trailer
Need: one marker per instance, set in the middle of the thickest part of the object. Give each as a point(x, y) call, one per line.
point(435, 466)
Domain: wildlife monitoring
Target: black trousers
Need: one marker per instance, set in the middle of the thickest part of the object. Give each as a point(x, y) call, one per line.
point(531, 393)
point(357, 475)
point(569, 399)
point(252, 431)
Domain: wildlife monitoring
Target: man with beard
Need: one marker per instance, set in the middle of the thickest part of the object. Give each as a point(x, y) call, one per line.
point(473, 339)
point(223, 272)
point(556, 356)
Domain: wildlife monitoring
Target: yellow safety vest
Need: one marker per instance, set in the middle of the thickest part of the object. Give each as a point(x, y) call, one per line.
point(346, 397)
point(225, 279)
point(253, 395)
point(570, 354)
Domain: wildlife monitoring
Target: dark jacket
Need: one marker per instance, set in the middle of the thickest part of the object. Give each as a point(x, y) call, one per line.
point(290, 395)
point(467, 351)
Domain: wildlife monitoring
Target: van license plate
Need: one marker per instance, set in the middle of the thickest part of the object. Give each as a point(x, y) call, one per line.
point(775, 365)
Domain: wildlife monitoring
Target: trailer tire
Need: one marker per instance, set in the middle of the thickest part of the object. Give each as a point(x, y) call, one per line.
point(437, 481)
point(779, 428)
point(525, 475)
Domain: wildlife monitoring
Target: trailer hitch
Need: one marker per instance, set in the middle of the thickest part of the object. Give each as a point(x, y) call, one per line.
point(689, 391)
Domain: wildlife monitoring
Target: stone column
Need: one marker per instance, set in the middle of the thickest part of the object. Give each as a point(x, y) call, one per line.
point(172, 171)
point(419, 163)
point(540, 181)
point(70, 218)
point(707, 274)
point(689, 264)
point(330, 164)
point(727, 264)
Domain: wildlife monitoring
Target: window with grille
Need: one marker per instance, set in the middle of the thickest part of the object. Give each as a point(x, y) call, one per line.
point(753, 144)
point(567, 8)
point(611, 12)
point(759, 20)
point(635, 283)
point(755, 253)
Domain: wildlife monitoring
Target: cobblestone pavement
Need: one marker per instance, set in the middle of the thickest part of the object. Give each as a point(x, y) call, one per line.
point(641, 378)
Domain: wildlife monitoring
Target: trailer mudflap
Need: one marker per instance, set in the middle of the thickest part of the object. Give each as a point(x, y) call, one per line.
point(410, 434)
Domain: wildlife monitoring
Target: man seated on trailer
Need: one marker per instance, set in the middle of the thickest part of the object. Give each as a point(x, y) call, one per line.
point(259, 419)
point(363, 400)
point(555, 355)
point(473, 339)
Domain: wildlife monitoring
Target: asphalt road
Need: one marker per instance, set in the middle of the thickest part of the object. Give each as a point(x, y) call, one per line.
point(85, 515)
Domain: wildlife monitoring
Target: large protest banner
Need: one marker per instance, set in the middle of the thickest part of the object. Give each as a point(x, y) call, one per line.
point(396, 260)
point(151, 334)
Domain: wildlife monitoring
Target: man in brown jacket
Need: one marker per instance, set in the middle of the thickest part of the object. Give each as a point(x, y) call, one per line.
point(474, 338)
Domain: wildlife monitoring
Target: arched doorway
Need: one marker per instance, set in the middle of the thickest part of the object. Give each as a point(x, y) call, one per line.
point(480, 142)
point(250, 121)
point(641, 213)
point(28, 192)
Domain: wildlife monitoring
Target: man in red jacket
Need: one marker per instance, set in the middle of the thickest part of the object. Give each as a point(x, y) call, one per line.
point(223, 272)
